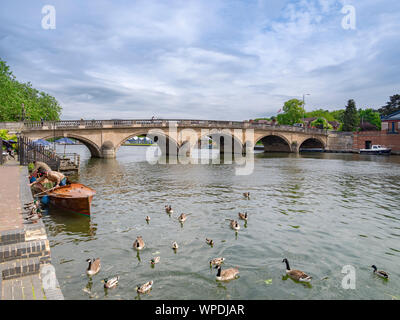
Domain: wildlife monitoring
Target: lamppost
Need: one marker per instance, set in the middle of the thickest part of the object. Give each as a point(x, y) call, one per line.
point(304, 103)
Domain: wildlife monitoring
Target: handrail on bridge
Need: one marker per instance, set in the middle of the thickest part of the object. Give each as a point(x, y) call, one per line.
point(116, 123)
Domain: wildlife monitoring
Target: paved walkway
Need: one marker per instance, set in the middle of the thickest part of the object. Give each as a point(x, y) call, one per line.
point(26, 272)
point(10, 204)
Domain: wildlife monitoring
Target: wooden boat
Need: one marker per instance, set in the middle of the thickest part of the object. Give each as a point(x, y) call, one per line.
point(74, 197)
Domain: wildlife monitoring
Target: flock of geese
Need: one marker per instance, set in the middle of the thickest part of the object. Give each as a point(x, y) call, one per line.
point(222, 274)
point(94, 265)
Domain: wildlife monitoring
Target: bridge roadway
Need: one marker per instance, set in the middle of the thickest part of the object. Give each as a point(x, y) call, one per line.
point(177, 136)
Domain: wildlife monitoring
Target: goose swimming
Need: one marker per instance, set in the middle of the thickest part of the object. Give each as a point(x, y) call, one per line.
point(243, 216)
point(227, 274)
point(138, 244)
point(93, 267)
point(296, 274)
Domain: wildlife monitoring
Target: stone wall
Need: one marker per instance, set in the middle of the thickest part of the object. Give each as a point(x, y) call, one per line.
point(340, 142)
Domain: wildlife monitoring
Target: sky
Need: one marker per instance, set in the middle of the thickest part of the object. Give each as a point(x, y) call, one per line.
point(217, 60)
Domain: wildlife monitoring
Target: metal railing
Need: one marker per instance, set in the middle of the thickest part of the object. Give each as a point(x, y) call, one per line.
point(73, 158)
point(88, 124)
point(29, 152)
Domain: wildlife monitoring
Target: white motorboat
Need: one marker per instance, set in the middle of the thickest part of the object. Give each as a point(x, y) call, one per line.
point(376, 149)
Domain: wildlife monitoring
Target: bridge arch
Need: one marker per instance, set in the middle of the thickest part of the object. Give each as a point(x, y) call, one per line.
point(95, 150)
point(225, 140)
point(275, 143)
point(159, 136)
point(311, 143)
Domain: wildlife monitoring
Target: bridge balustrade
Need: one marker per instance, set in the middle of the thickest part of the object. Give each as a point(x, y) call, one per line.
point(117, 123)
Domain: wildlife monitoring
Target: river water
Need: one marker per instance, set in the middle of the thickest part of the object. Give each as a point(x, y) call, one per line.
point(321, 211)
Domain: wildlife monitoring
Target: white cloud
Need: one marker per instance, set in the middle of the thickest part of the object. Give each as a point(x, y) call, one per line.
point(217, 60)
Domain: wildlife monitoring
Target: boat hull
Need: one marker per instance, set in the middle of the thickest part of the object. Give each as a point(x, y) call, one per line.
point(383, 152)
point(80, 206)
point(76, 198)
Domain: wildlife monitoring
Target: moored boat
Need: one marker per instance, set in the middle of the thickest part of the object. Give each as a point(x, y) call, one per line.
point(376, 149)
point(74, 197)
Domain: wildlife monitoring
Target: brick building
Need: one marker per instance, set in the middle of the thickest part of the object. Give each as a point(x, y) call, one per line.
point(388, 135)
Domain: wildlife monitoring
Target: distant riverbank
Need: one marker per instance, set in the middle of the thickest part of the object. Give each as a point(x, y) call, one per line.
point(139, 144)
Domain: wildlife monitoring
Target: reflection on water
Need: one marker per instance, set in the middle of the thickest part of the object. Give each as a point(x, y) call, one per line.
point(322, 211)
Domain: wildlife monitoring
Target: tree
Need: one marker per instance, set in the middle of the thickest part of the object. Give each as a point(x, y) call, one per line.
point(326, 114)
point(321, 123)
point(392, 106)
point(293, 112)
point(369, 116)
point(338, 115)
point(38, 104)
point(351, 119)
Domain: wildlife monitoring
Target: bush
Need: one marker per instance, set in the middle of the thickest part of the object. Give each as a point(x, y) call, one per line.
point(321, 123)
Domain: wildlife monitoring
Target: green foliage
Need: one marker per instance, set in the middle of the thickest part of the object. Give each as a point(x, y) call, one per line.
point(262, 119)
point(392, 106)
point(321, 123)
point(351, 118)
point(5, 136)
point(326, 114)
point(38, 104)
point(338, 115)
point(31, 167)
point(371, 116)
point(293, 112)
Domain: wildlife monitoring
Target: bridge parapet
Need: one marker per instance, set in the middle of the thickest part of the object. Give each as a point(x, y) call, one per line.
point(94, 124)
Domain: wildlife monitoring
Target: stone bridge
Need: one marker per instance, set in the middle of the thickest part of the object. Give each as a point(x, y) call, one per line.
point(178, 137)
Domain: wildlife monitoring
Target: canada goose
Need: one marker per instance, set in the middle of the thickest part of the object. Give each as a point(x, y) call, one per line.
point(145, 287)
point(217, 261)
point(183, 217)
point(138, 244)
point(246, 195)
point(111, 283)
point(210, 241)
point(243, 216)
point(168, 209)
point(227, 274)
point(147, 218)
point(234, 224)
point(296, 274)
point(380, 273)
point(175, 245)
point(155, 260)
point(93, 267)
